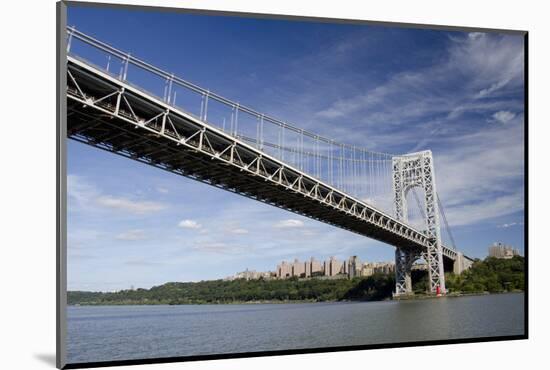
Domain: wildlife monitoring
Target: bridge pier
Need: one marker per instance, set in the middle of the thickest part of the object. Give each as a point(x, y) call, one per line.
point(404, 260)
point(461, 263)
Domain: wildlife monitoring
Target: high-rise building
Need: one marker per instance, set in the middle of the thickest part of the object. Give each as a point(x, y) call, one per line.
point(384, 268)
point(316, 267)
point(298, 268)
point(367, 269)
point(313, 267)
point(372, 268)
point(499, 250)
point(284, 270)
point(354, 267)
point(334, 267)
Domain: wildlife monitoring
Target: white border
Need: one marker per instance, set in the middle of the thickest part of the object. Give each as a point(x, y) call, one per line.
point(28, 182)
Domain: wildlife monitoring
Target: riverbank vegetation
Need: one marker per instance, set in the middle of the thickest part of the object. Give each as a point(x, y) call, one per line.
point(374, 287)
point(490, 275)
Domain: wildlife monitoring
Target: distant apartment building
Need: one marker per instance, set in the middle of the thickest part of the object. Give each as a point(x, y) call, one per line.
point(371, 268)
point(331, 268)
point(284, 270)
point(313, 268)
point(298, 268)
point(354, 267)
point(251, 275)
point(499, 250)
point(334, 267)
point(384, 268)
point(367, 270)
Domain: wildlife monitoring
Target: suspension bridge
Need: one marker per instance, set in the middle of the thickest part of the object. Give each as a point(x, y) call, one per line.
point(124, 105)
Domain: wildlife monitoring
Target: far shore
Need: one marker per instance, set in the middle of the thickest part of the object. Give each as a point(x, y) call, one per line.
point(408, 297)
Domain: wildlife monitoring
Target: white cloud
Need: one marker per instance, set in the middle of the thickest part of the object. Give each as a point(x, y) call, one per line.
point(475, 35)
point(132, 206)
point(507, 225)
point(489, 62)
point(482, 177)
point(476, 67)
point(468, 214)
point(504, 116)
point(189, 224)
point(130, 235)
point(289, 224)
point(494, 87)
point(219, 248)
point(86, 196)
point(309, 233)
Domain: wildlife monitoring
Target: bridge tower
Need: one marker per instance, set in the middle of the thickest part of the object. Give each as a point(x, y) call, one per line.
point(409, 171)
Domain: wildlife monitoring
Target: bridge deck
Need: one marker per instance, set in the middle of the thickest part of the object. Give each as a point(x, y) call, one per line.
point(110, 114)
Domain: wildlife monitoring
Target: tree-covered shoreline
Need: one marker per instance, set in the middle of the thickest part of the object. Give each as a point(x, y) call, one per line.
point(490, 275)
point(241, 291)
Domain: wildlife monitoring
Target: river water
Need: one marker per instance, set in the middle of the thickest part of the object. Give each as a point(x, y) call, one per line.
point(106, 333)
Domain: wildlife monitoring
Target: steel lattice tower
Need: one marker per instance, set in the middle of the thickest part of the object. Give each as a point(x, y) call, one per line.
point(409, 171)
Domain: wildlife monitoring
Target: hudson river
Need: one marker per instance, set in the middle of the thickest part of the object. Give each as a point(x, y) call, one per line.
point(104, 333)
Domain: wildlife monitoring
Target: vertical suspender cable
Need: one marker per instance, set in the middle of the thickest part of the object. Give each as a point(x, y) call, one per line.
point(282, 142)
point(202, 107)
point(232, 122)
point(303, 155)
point(258, 132)
point(236, 119)
point(262, 132)
point(206, 106)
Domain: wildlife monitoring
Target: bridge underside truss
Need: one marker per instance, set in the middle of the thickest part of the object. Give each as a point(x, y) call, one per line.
point(105, 112)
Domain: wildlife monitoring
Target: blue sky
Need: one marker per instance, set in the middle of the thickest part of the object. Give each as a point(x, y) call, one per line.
point(387, 89)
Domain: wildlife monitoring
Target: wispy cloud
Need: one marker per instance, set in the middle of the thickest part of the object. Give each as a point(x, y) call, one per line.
point(189, 224)
point(80, 192)
point(289, 224)
point(466, 214)
point(483, 177)
point(83, 194)
point(504, 116)
point(132, 206)
point(162, 190)
point(220, 248)
point(429, 99)
point(507, 225)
